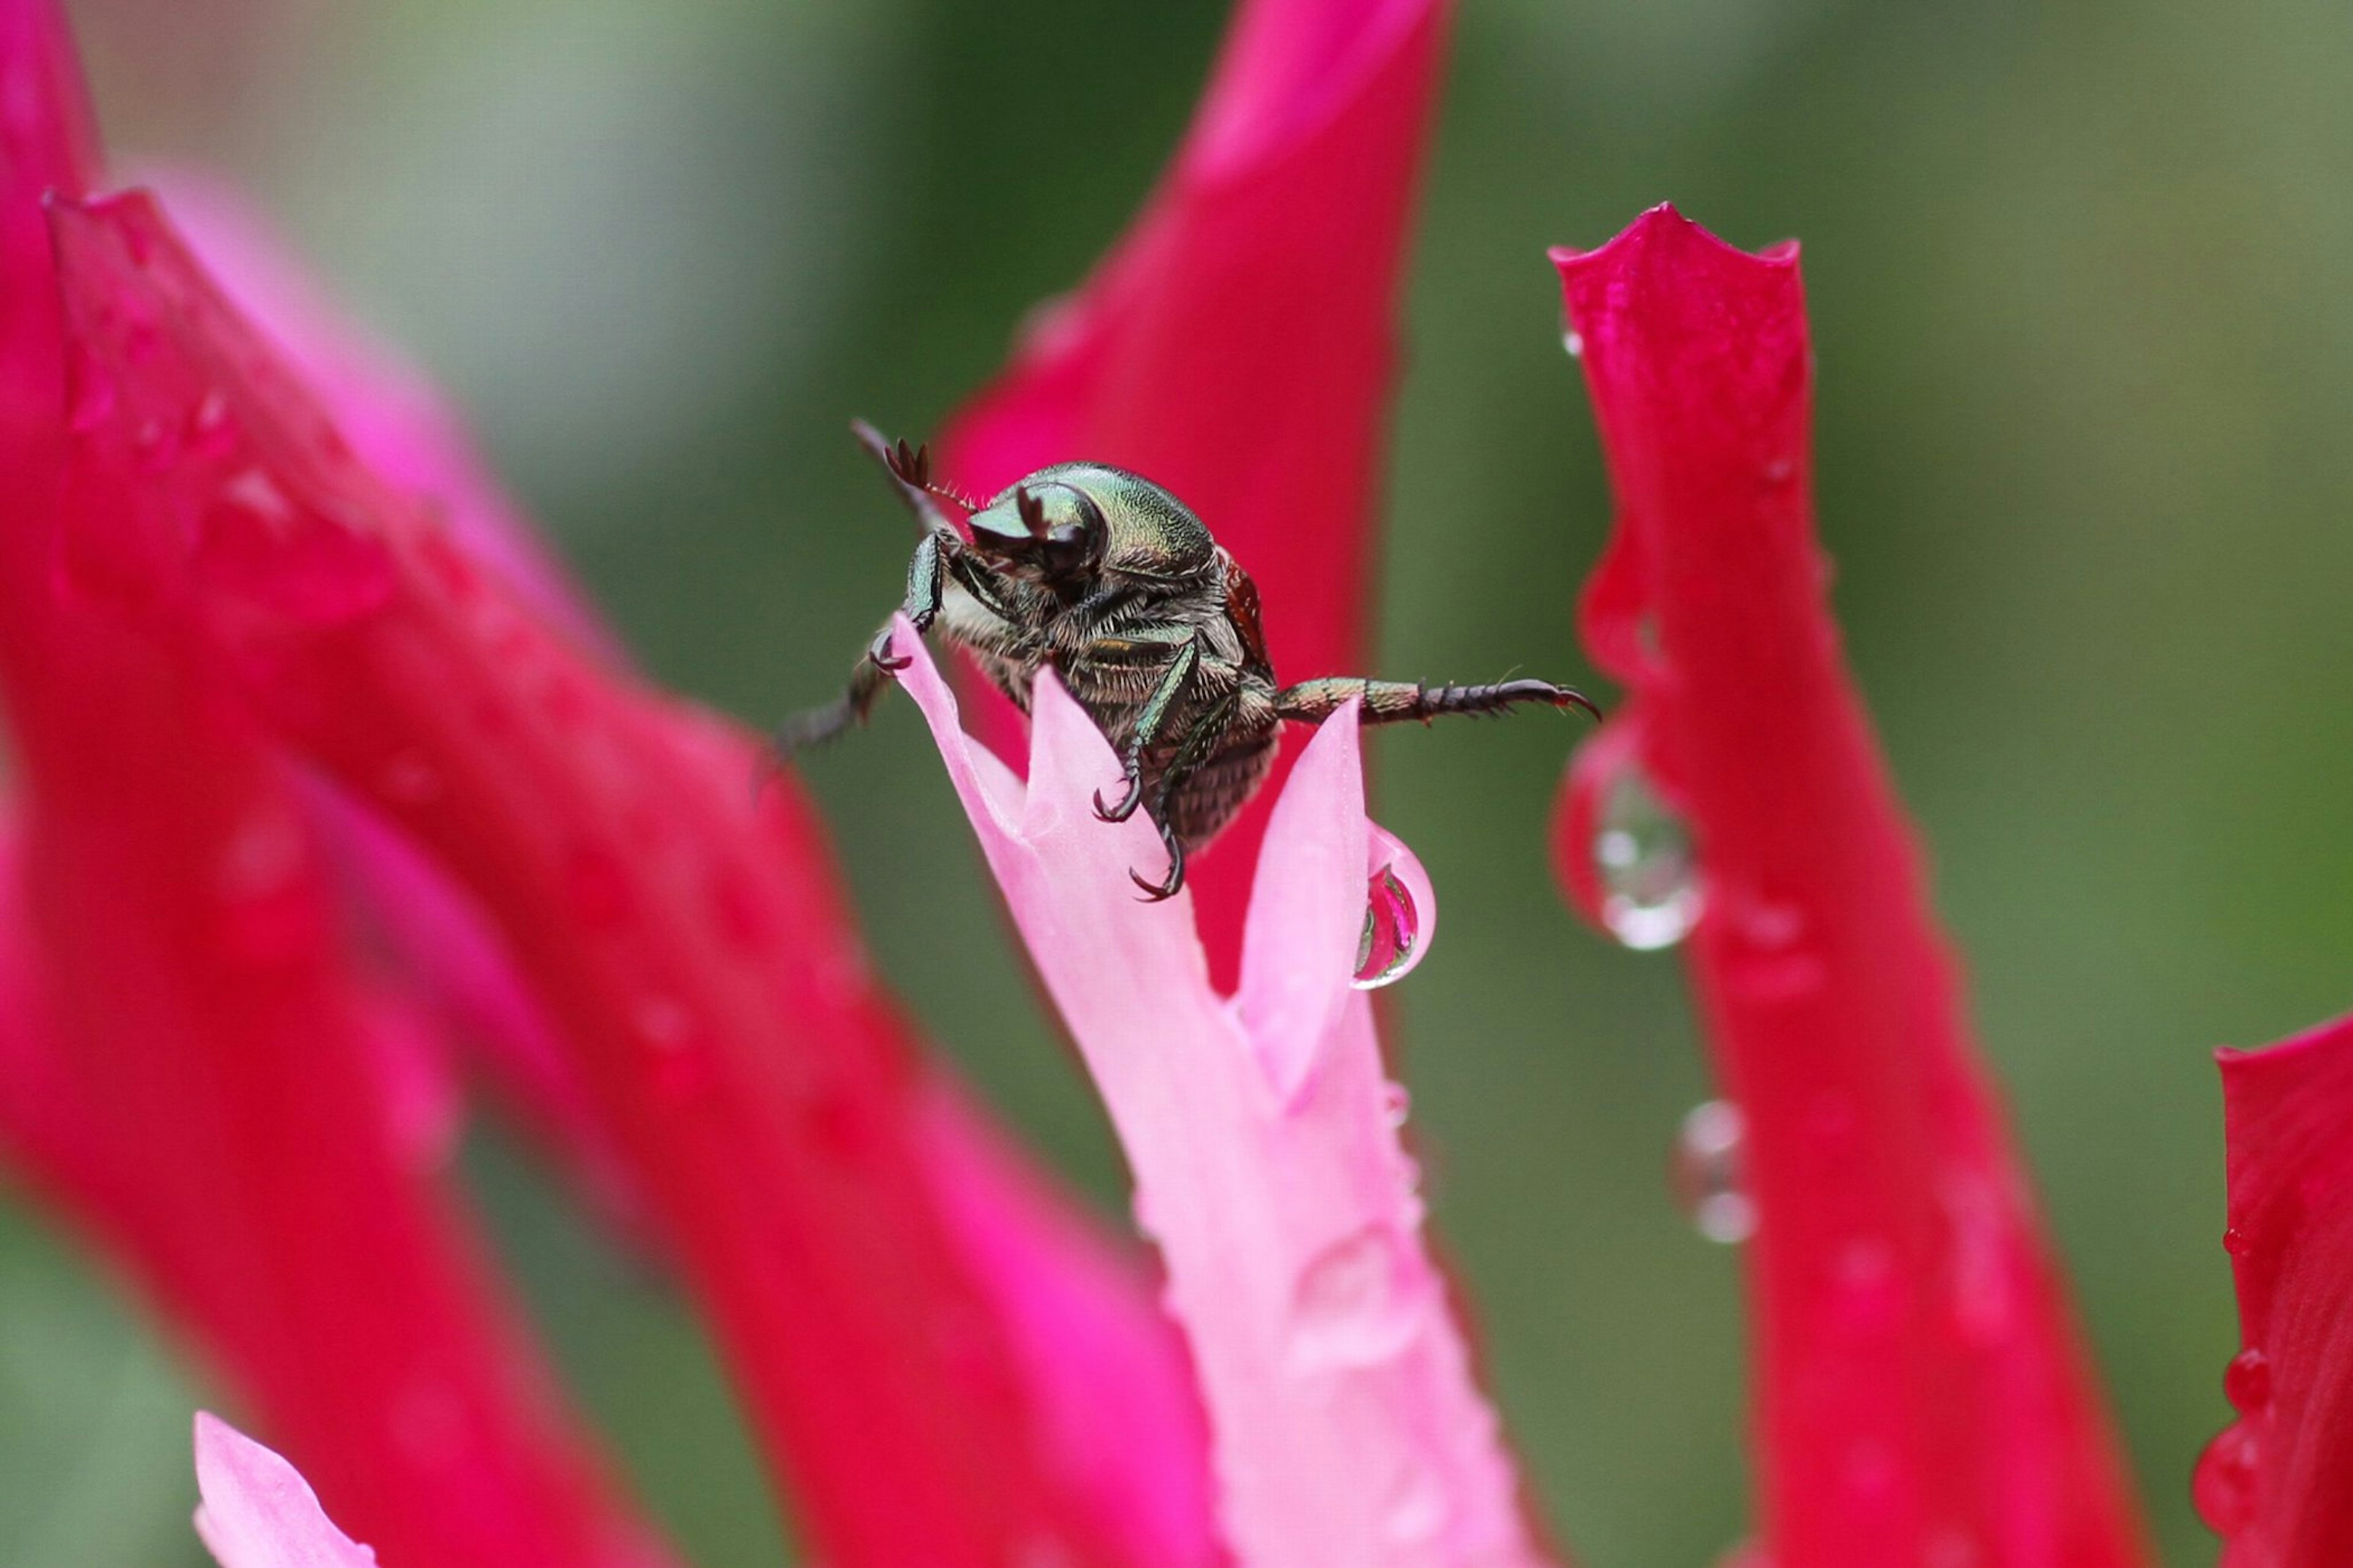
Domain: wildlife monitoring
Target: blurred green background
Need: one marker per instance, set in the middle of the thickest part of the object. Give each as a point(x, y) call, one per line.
point(2086, 362)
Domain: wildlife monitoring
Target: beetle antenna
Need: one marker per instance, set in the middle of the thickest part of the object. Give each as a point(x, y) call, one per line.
point(910, 467)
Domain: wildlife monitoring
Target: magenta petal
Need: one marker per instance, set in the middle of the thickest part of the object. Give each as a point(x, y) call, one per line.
point(392, 413)
point(258, 1511)
point(1348, 1428)
point(2275, 1483)
point(1922, 1393)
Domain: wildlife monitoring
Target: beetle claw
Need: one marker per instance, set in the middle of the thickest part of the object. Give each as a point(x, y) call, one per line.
point(1159, 892)
point(1162, 891)
point(881, 657)
point(1127, 803)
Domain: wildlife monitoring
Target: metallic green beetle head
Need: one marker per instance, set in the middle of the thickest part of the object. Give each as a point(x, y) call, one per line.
point(1064, 526)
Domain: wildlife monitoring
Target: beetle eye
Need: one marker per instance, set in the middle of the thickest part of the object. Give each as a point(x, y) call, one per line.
point(1074, 540)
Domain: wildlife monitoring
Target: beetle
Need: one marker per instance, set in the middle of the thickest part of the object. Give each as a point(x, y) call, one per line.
point(1112, 582)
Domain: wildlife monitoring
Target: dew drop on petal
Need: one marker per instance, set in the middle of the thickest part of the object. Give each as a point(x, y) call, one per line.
point(1706, 1173)
point(1644, 864)
point(212, 427)
point(1396, 1103)
point(1574, 341)
point(94, 396)
point(2247, 1382)
point(2224, 1486)
point(1357, 1302)
point(1392, 932)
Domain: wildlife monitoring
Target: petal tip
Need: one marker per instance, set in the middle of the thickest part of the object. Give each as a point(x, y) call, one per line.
point(1664, 228)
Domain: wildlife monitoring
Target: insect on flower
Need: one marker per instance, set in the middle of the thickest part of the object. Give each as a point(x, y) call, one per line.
point(1115, 584)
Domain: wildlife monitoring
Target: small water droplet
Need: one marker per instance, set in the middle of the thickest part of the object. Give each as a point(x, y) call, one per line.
point(94, 397)
point(1706, 1173)
point(156, 445)
point(1396, 1103)
point(1643, 859)
point(1574, 341)
point(663, 1023)
point(2247, 1382)
point(1416, 1511)
point(2236, 1242)
point(1358, 1302)
point(1392, 930)
point(2224, 1485)
point(212, 429)
point(409, 780)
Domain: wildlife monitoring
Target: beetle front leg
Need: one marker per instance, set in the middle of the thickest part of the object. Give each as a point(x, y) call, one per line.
point(1388, 701)
point(816, 726)
point(1200, 741)
point(1148, 723)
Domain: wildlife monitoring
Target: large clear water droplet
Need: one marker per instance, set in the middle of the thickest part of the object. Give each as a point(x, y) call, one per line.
point(1707, 1172)
point(1643, 859)
point(1392, 932)
point(1574, 341)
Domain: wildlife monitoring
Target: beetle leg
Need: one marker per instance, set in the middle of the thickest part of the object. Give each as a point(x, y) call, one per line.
point(1148, 722)
point(816, 726)
point(1200, 741)
point(926, 583)
point(1388, 701)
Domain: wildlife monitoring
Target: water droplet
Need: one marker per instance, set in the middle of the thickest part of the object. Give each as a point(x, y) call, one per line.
point(1643, 859)
point(156, 445)
point(1392, 930)
point(663, 1023)
point(93, 403)
point(1358, 1302)
point(1708, 1178)
point(212, 429)
point(2224, 1486)
point(2247, 1382)
point(1416, 1511)
point(409, 780)
point(2236, 1242)
point(1396, 1103)
point(1574, 341)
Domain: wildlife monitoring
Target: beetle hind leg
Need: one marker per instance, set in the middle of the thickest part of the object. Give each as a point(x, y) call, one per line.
point(1392, 701)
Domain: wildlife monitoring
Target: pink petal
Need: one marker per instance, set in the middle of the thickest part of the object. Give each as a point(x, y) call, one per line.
point(1261, 1135)
point(1923, 1393)
point(258, 1511)
point(2278, 1483)
point(1236, 344)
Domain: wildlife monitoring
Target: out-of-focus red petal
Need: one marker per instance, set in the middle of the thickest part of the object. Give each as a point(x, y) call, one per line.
point(2278, 1483)
point(1923, 1395)
point(1238, 344)
point(679, 930)
point(213, 1095)
point(1079, 1311)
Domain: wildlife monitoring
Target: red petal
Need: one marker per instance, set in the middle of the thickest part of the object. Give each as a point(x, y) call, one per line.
point(214, 1100)
point(1237, 345)
point(1923, 1397)
point(683, 935)
point(2274, 1484)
